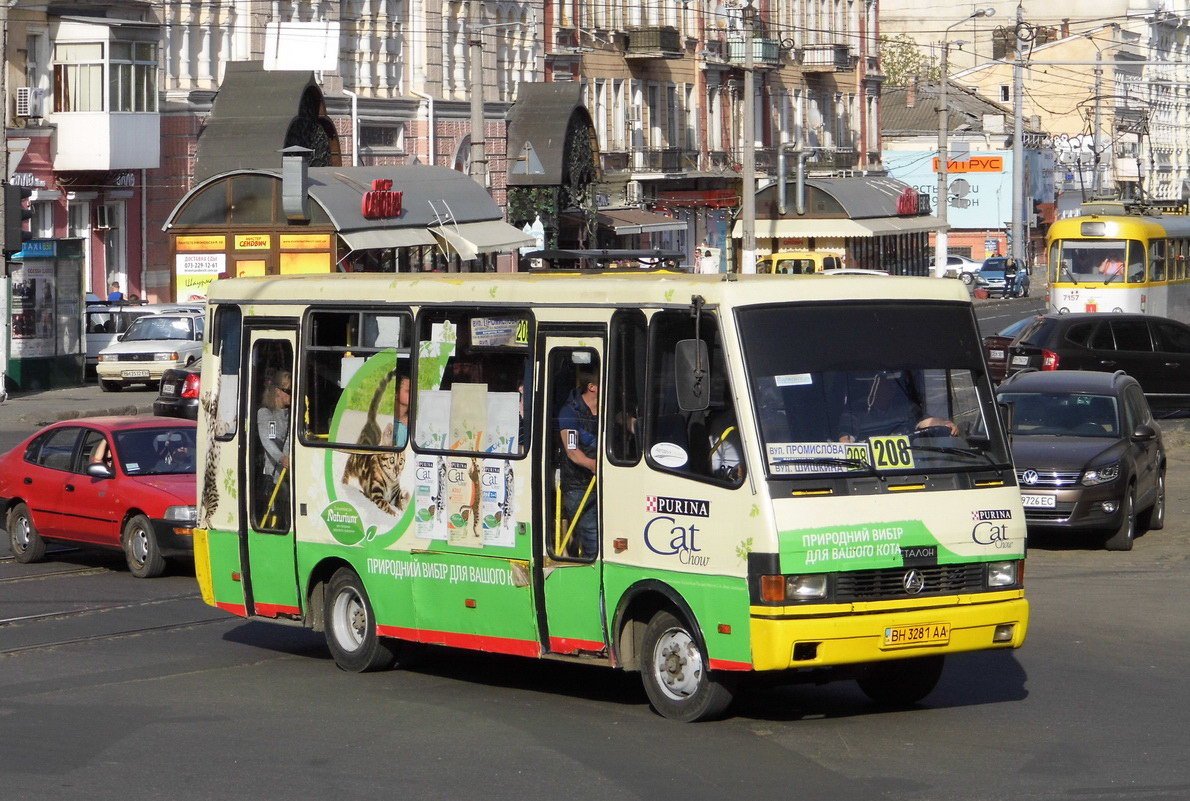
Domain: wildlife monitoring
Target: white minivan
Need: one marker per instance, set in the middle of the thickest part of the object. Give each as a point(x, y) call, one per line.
point(106, 321)
point(153, 344)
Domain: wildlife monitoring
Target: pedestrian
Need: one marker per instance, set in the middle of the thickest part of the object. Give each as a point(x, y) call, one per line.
point(114, 295)
point(708, 264)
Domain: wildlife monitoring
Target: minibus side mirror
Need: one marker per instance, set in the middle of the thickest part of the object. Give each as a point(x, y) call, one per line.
point(692, 366)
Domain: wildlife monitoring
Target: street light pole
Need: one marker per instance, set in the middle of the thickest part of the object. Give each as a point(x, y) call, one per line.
point(748, 171)
point(1018, 144)
point(479, 160)
point(941, 243)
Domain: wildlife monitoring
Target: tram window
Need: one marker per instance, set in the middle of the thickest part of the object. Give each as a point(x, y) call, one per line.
point(471, 368)
point(626, 385)
point(357, 380)
point(1157, 260)
point(706, 443)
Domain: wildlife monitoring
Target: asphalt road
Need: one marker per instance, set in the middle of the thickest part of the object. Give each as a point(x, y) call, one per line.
point(114, 688)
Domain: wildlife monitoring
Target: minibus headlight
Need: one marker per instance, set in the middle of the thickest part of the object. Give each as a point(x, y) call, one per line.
point(1002, 574)
point(799, 588)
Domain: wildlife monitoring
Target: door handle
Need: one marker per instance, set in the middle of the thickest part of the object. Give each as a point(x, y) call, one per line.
point(1173, 364)
point(28, 480)
point(1106, 363)
point(70, 488)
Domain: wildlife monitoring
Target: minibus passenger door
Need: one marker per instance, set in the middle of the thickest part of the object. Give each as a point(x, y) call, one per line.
point(571, 500)
point(271, 571)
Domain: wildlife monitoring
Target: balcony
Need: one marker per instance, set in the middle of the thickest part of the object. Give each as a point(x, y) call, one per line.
point(824, 58)
point(834, 160)
point(612, 162)
point(666, 159)
point(105, 141)
point(647, 43)
point(765, 52)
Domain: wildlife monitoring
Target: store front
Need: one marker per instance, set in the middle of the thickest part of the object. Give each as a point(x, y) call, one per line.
point(871, 223)
point(348, 219)
point(45, 304)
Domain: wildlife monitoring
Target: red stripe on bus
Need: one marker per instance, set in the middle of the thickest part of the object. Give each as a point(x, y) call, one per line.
point(727, 664)
point(272, 610)
point(235, 609)
point(567, 645)
point(475, 642)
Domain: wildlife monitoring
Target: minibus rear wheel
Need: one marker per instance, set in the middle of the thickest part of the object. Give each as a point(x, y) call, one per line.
point(901, 682)
point(351, 626)
point(676, 673)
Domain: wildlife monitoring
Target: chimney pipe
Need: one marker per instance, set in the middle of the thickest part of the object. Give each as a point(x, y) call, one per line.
point(295, 199)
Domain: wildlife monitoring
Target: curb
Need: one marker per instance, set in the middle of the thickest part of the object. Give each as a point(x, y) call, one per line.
point(44, 418)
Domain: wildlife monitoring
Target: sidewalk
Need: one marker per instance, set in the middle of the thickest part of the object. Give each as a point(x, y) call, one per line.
point(48, 406)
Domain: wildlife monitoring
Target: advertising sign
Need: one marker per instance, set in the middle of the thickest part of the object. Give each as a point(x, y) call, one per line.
point(195, 272)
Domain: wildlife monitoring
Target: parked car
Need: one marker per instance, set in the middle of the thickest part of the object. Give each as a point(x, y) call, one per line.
point(118, 482)
point(992, 276)
point(150, 346)
point(178, 396)
point(995, 348)
point(1088, 454)
point(1153, 350)
point(106, 321)
point(959, 267)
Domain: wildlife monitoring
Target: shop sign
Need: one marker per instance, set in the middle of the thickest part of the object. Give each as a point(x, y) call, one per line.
point(382, 202)
point(253, 241)
point(124, 179)
point(39, 249)
point(26, 179)
point(202, 242)
point(195, 272)
point(974, 164)
point(305, 241)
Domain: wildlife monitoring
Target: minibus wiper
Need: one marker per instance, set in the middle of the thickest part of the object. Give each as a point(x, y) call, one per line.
point(951, 449)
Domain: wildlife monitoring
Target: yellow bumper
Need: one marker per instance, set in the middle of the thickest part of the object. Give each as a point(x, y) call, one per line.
point(853, 633)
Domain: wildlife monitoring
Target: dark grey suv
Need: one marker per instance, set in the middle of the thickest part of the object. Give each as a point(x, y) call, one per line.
point(1088, 454)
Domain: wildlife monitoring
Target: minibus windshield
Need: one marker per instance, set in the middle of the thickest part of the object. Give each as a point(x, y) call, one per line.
point(859, 387)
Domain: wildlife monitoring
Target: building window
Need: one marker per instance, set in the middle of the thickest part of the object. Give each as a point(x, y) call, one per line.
point(132, 78)
point(1005, 93)
point(387, 138)
point(42, 222)
point(131, 75)
point(78, 77)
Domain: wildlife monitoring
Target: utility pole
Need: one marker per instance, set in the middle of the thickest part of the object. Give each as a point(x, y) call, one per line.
point(941, 245)
point(748, 173)
point(1095, 144)
point(1018, 144)
point(479, 162)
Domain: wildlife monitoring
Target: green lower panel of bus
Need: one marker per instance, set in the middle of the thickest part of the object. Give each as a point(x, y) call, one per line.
point(719, 605)
point(223, 571)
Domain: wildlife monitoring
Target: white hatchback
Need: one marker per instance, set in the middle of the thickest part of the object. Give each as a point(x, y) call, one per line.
point(151, 345)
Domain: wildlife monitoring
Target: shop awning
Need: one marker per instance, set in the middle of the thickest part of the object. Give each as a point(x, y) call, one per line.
point(491, 236)
point(839, 228)
point(388, 238)
point(626, 222)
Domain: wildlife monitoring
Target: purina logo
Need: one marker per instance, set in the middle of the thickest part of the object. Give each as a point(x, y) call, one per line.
point(991, 514)
point(677, 506)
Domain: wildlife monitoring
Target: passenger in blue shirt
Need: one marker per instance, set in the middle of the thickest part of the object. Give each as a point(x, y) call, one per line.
point(578, 425)
point(114, 295)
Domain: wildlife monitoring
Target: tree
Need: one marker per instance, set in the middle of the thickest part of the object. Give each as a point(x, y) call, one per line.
point(901, 60)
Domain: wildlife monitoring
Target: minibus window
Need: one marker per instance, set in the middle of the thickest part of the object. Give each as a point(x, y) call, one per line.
point(626, 385)
point(704, 444)
point(225, 344)
point(357, 380)
point(470, 373)
point(870, 386)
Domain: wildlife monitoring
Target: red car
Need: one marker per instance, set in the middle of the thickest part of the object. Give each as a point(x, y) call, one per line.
point(122, 482)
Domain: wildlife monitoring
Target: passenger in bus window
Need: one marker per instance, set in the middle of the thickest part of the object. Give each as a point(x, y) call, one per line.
point(272, 428)
point(401, 413)
point(1112, 265)
point(578, 426)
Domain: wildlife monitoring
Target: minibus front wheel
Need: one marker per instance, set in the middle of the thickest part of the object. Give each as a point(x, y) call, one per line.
point(674, 669)
point(351, 626)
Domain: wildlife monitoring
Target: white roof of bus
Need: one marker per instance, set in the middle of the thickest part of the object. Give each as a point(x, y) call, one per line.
point(652, 288)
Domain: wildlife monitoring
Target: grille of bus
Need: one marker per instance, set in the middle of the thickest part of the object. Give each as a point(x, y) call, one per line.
point(876, 585)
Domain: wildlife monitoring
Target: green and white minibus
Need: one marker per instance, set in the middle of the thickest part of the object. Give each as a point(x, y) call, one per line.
point(805, 477)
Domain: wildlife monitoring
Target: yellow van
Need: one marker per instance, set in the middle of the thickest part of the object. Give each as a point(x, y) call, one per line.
point(798, 262)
